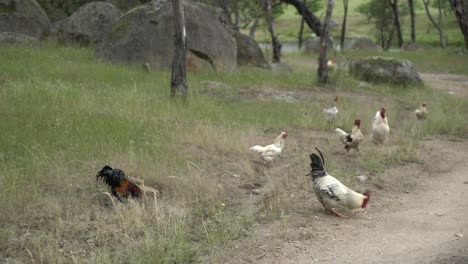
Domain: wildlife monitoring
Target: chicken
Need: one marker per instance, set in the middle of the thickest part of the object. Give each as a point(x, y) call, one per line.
point(331, 64)
point(270, 152)
point(352, 140)
point(121, 185)
point(330, 114)
point(380, 128)
point(330, 192)
point(421, 113)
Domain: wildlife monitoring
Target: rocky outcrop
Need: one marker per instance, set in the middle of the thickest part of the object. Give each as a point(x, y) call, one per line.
point(11, 38)
point(360, 44)
point(383, 69)
point(23, 16)
point(89, 25)
point(146, 34)
point(249, 52)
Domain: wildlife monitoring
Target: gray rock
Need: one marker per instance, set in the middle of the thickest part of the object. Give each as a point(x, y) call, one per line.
point(383, 69)
point(249, 52)
point(312, 44)
point(23, 16)
point(146, 34)
point(412, 46)
point(11, 38)
point(88, 25)
point(360, 44)
point(281, 67)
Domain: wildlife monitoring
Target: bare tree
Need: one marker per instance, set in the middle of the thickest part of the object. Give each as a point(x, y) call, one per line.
point(178, 76)
point(412, 17)
point(253, 28)
point(343, 26)
point(438, 25)
point(460, 8)
point(301, 30)
point(396, 17)
point(275, 43)
point(322, 67)
point(312, 21)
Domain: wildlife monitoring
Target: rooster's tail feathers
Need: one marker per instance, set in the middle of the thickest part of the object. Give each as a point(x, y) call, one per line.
point(341, 132)
point(317, 164)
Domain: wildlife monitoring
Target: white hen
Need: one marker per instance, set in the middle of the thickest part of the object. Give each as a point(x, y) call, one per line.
point(421, 113)
point(330, 192)
point(380, 128)
point(270, 152)
point(353, 139)
point(331, 113)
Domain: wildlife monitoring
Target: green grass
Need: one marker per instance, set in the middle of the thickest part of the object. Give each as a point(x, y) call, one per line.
point(65, 114)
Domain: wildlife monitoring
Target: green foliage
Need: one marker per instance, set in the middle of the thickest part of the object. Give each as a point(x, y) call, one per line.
point(380, 12)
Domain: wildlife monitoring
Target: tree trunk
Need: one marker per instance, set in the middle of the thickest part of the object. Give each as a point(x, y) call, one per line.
point(460, 9)
point(382, 38)
point(275, 43)
point(412, 16)
point(396, 17)
point(226, 7)
point(441, 33)
point(253, 28)
point(236, 16)
point(343, 26)
point(178, 76)
point(301, 29)
point(390, 39)
point(322, 67)
point(312, 21)
point(438, 26)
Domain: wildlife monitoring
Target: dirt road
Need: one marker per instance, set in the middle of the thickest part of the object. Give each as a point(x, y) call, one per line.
point(421, 218)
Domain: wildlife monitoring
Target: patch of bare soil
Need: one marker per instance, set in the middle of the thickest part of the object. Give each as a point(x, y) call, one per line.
point(418, 214)
point(455, 84)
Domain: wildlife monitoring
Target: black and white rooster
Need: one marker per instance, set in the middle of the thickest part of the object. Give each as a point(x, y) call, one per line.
point(330, 192)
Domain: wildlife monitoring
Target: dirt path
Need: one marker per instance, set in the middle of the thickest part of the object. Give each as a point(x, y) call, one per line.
point(418, 219)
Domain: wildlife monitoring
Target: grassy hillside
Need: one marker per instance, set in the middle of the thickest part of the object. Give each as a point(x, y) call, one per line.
point(65, 114)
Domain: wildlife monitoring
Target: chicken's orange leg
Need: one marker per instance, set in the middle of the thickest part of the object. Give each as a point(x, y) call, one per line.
point(337, 213)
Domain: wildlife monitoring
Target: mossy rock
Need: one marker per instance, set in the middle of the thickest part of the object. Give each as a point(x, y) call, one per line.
point(145, 34)
point(385, 70)
point(91, 24)
point(24, 17)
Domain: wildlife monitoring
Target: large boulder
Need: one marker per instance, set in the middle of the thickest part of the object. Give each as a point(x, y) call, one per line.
point(90, 24)
point(11, 38)
point(249, 52)
point(383, 69)
point(360, 44)
point(146, 34)
point(23, 16)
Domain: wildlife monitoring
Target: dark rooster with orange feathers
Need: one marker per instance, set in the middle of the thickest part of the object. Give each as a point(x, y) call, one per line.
point(121, 185)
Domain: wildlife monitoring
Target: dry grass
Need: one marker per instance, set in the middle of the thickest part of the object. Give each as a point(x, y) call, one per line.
point(69, 115)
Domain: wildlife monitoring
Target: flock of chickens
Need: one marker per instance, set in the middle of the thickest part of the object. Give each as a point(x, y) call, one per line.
point(330, 192)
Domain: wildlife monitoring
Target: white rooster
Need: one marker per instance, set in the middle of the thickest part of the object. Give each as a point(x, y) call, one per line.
point(380, 128)
point(270, 152)
point(331, 113)
point(331, 64)
point(330, 192)
point(421, 113)
point(353, 139)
